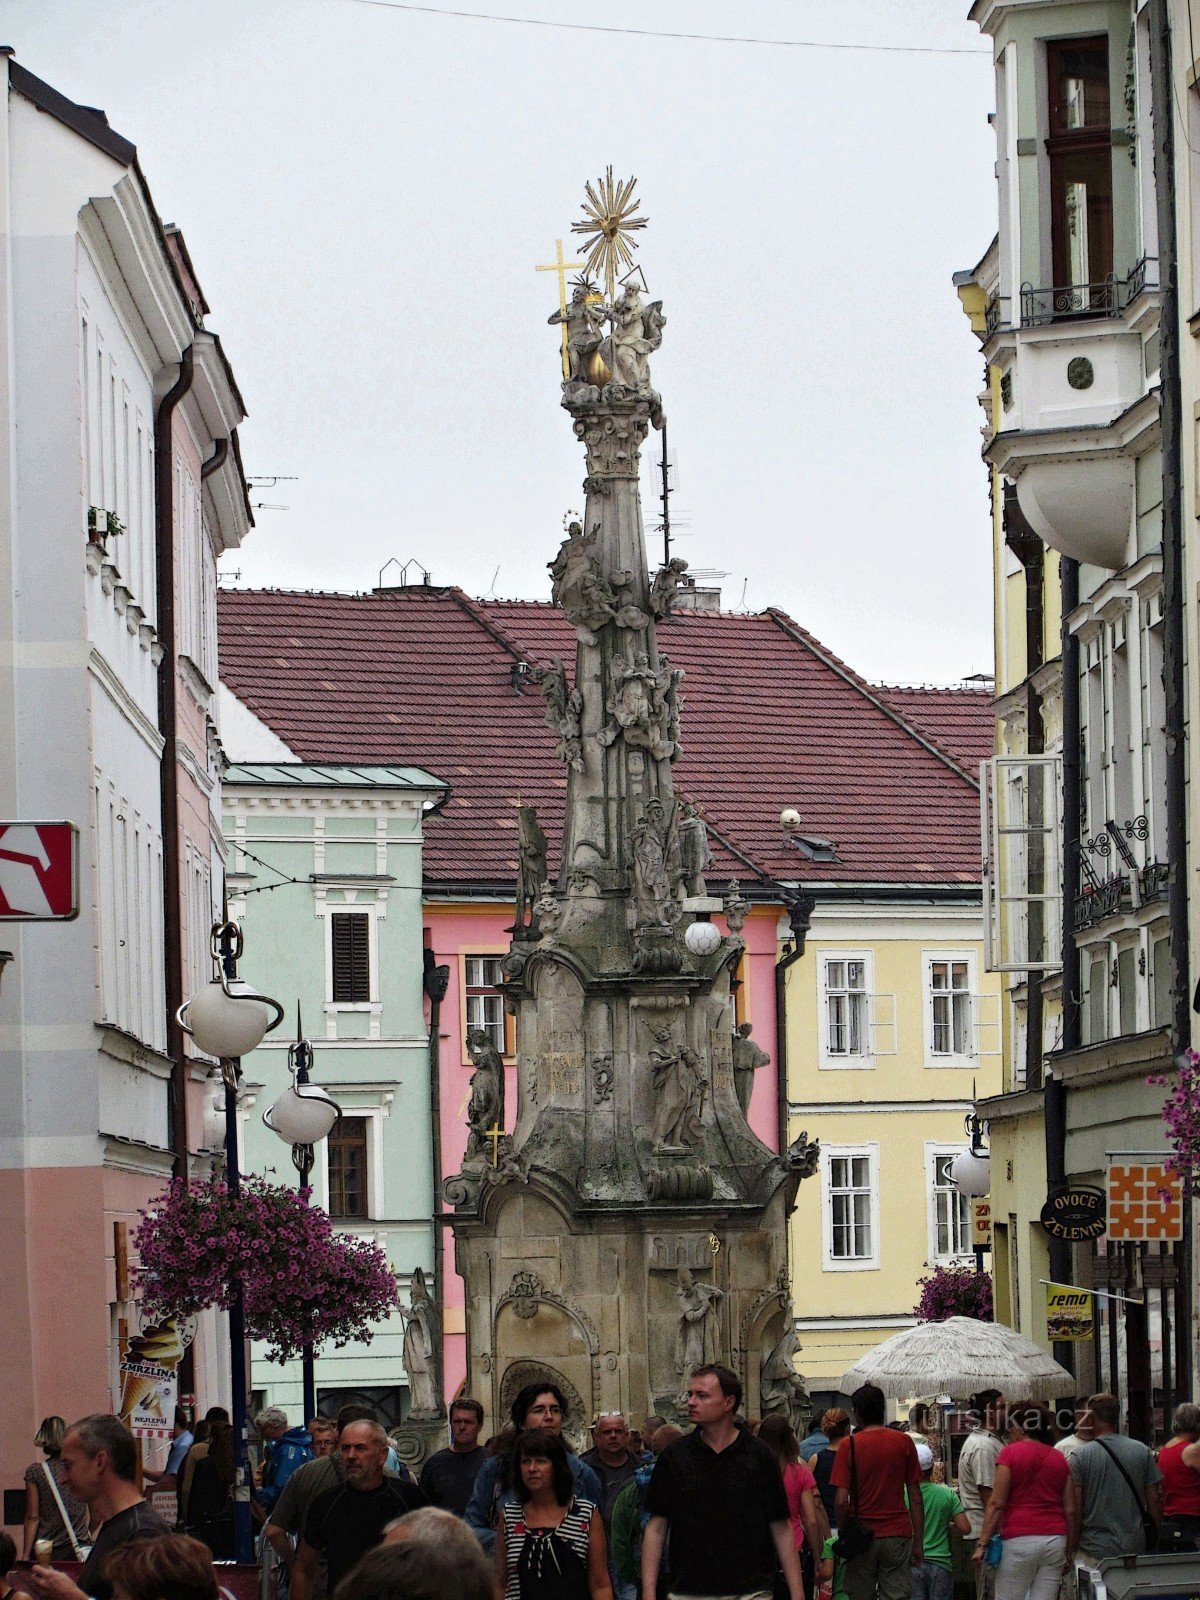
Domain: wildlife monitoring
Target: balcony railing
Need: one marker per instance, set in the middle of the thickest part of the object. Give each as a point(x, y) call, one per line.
point(1154, 880)
point(995, 316)
point(1076, 301)
point(1101, 900)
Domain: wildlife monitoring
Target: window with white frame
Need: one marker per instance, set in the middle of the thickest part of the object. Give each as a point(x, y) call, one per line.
point(129, 882)
point(950, 1007)
point(347, 1156)
point(949, 1211)
point(846, 1007)
point(484, 999)
point(851, 1207)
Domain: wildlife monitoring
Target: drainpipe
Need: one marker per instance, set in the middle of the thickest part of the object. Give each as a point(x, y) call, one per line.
point(435, 981)
point(800, 912)
point(1054, 1091)
point(215, 461)
point(1174, 641)
point(164, 519)
point(1172, 518)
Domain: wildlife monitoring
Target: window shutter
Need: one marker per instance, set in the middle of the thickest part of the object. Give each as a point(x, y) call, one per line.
point(351, 957)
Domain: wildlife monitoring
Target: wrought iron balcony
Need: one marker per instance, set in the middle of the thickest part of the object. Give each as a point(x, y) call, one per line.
point(1154, 880)
point(1071, 302)
point(1098, 901)
point(995, 316)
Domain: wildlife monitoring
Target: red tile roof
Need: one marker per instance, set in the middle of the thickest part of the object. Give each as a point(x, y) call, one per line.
point(962, 721)
point(425, 677)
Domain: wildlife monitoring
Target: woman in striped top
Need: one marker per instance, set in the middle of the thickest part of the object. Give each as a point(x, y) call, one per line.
point(550, 1546)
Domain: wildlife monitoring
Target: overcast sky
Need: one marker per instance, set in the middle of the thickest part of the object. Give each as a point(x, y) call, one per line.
point(365, 192)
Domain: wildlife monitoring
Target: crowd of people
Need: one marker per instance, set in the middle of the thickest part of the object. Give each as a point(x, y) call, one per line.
point(858, 1510)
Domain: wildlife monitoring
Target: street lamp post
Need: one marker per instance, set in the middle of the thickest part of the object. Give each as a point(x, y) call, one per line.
point(971, 1170)
point(227, 1019)
point(303, 1116)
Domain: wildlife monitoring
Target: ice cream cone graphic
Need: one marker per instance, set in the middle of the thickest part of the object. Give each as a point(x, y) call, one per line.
point(152, 1358)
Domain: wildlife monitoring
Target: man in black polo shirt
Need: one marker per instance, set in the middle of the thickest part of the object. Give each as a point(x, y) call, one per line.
point(719, 1493)
point(449, 1475)
point(346, 1521)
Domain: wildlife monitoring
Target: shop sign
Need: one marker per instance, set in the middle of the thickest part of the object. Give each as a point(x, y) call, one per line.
point(981, 1223)
point(1145, 1201)
point(1068, 1313)
point(39, 871)
point(1075, 1212)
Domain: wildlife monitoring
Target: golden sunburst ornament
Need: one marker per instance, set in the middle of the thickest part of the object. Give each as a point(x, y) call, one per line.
point(610, 214)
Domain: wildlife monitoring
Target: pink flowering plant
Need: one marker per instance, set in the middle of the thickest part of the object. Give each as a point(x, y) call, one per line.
point(955, 1292)
point(301, 1280)
point(1181, 1117)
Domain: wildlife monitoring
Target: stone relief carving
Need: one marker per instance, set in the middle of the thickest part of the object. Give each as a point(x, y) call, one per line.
point(669, 1252)
point(669, 679)
point(531, 864)
point(655, 866)
point(564, 708)
point(695, 857)
point(547, 911)
point(613, 444)
point(420, 1351)
point(677, 1076)
point(665, 586)
point(485, 1109)
point(781, 1389)
point(587, 597)
point(747, 1058)
point(698, 1336)
point(637, 706)
point(803, 1157)
point(737, 908)
point(602, 1079)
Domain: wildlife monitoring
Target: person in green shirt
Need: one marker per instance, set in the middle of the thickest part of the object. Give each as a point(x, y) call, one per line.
point(934, 1579)
point(831, 1570)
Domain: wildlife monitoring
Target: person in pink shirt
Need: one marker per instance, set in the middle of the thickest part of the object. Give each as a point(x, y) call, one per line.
point(800, 1487)
point(1034, 1507)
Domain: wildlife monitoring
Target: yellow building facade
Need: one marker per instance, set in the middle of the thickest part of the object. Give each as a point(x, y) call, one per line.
point(893, 1026)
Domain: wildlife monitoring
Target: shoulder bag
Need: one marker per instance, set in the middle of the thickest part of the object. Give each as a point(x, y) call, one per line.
point(80, 1553)
point(1149, 1526)
point(854, 1537)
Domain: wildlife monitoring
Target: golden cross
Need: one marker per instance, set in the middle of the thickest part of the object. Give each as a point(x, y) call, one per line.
point(562, 268)
point(495, 1134)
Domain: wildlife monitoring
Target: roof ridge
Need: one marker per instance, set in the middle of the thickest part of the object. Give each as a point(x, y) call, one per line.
point(827, 657)
point(464, 601)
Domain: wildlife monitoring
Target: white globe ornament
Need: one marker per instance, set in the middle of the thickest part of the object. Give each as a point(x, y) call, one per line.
point(303, 1114)
point(971, 1171)
point(789, 819)
point(229, 1025)
point(702, 938)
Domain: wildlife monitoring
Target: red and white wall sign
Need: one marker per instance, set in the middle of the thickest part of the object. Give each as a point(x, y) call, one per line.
point(39, 871)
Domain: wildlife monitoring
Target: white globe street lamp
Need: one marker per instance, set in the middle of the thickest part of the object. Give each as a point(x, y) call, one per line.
point(228, 1019)
point(302, 1116)
point(702, 938)
point(972, 1173)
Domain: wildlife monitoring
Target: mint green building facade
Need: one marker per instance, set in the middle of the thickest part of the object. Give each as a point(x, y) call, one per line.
point(325, 880)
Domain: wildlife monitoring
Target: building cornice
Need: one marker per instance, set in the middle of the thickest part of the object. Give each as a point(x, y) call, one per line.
point(108, 680)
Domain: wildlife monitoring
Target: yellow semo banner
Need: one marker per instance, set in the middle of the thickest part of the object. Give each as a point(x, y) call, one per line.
point(1068, 1312)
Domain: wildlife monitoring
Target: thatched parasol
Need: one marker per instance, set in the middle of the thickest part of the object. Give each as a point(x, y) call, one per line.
point(959, 1357)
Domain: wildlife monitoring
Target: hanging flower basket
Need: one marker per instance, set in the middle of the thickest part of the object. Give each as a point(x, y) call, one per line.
point(301, 1281)
point(955, 1292)
point(1181, 1117)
